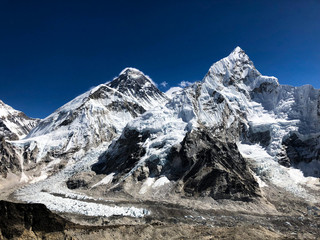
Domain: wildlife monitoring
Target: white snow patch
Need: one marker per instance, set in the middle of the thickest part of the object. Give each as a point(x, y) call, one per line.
point(173, 91)
point(146, 185)
point(151, 183)
point(105, 181)
point(24, 178)
point(160, 182)
point(267, 168)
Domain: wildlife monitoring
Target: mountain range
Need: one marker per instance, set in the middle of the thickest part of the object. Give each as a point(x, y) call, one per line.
point(230, 137)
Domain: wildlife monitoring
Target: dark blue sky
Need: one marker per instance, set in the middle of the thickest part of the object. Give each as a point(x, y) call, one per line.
point(52, 51)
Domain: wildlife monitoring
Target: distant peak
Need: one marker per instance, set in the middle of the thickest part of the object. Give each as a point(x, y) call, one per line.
point(237, 50)
point(131, 78)
point(130, 71)
point(3, 105)
point(236, 57)
point(134, 74)
point(238, 53)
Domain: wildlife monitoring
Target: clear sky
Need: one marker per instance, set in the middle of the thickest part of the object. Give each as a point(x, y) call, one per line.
point(52, 51)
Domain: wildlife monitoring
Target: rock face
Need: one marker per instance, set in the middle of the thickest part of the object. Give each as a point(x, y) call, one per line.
point(302, 151)
point(29, 221)
point(10, 159)
point(208, 166)
point(126, 156)
point(296, 142)
point(132, 82)
point(80, 180)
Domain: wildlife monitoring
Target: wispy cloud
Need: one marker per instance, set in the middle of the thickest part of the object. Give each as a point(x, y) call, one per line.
point(164, 84)
point(185, 84)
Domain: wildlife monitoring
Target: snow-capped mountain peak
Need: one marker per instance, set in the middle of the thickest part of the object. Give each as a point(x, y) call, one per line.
point(238, 70)
point(5, 109)
point(135, 84)
point(14, 124)
point(91, 119)
point(131, 76)
point(238, 52)
point(132, 72)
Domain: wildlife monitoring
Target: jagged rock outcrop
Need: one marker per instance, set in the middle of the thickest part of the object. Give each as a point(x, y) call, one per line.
point(128, 152)
point(301, 151)
point(204, 164)
point(80, 180)
point(208, 166)
point(10, 159)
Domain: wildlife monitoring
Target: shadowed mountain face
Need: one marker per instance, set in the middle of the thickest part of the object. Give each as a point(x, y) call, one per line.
point(29, 221)
point(211, 167)
point(203, 164)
